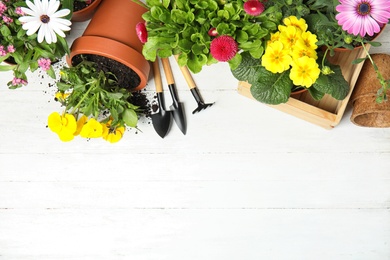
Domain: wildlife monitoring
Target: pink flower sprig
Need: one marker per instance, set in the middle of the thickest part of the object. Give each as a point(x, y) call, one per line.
point(44, 64)
point(223, 48)
point(18, 81)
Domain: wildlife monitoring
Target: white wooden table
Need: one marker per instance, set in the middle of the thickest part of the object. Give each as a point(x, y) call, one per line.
point(246, 182)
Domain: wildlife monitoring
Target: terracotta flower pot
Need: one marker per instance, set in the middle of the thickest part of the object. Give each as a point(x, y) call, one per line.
point(366, 111)
point(86, 13)
point(111, 33)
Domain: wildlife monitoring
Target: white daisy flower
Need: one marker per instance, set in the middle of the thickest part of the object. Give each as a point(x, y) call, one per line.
point(42, 16)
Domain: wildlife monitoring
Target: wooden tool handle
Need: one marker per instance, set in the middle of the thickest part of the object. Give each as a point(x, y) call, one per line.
point(187, 75)
point(168, 71)
point(157, 76)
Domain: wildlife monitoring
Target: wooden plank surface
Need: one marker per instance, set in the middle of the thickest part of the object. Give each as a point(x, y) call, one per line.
point(246, 182)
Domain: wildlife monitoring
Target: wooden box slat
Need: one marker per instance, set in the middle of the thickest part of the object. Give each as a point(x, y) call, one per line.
point(328, 111)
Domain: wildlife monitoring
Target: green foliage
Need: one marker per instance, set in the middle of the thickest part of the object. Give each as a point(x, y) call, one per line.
point(27, 49)
point(97, 94)
point(181, 27)
point(275, 88)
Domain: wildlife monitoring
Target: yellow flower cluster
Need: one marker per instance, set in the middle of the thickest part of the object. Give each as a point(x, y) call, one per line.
point(67, 128)
point(293, 46)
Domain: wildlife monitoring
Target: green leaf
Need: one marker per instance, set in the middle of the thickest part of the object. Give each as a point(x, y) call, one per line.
point(5, 31)
point(317, 95)
point(51, 72)
point(272, 88)
point(249, 68)
point(357, 61)
point(333, 84)
point(7, 67)
point(235, 61)
point(130, 117)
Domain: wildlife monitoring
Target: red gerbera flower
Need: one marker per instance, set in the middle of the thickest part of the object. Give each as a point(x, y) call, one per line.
point(223, 48)
point(142, 33)
point(253, 7)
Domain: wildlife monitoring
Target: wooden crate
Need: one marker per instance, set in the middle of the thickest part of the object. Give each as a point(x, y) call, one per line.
point(328, 111)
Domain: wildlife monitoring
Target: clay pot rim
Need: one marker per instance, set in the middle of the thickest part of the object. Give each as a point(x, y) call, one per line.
point(86, 13)
point(110, 49)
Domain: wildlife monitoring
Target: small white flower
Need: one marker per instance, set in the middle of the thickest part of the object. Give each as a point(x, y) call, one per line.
point(42, 16)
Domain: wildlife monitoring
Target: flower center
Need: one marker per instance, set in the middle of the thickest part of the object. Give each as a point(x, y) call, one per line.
point(364, 8)
point(44, 18)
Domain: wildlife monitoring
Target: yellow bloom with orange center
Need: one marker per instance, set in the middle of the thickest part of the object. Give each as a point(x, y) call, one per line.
point(301, 50)
point(274, 37)
point(63, 125)
point(310, 40)
point(294, 21)
point(290, 36)
point(304, 72)
point(276, 58)
point(91, 129)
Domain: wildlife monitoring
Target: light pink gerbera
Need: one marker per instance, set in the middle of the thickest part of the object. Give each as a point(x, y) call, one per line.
point(223, 48)
point(254, 7)
point(363, 16)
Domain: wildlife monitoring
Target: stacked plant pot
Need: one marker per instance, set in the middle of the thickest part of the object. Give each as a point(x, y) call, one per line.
point(366, 111)
point(111, 33)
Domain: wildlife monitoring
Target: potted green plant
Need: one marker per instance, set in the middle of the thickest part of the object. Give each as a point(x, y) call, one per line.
point(108, 36)
point(30, 40)
point(95, 104)
point(205, 32)
point(239, 32)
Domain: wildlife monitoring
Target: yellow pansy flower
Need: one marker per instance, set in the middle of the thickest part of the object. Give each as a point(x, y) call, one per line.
point(304, 72)
point(80, 124)
point(91, 129)
point(63, 125)
point(297, 23)
point(290, 36)
point(276, 59)
point(114, 135)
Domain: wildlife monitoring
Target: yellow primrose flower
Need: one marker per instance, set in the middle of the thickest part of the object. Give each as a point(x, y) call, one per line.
point(301, 50)
point(92, 129)
point(112, 136)
point(274, 37)
point(80, 123)
point(304, 72)
point(63, 125)
point(294, 21)
point(290, 36)
point(276, 59)
point(310, 40)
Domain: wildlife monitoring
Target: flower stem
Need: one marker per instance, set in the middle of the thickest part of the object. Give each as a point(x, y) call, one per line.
point(381, 94)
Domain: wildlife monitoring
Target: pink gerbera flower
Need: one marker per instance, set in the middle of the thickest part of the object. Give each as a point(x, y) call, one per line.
point(223, 48)
point(142, 33)
point(253, 7)
point(363, 16)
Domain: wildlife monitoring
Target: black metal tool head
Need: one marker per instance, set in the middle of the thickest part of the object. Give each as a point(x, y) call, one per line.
point(163, 118)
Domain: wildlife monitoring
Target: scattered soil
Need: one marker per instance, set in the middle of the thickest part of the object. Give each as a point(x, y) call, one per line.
point(77, 6)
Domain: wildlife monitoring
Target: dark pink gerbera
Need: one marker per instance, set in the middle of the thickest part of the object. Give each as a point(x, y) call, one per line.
point(142, 33)
point(253, 7)
point(223, 48)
